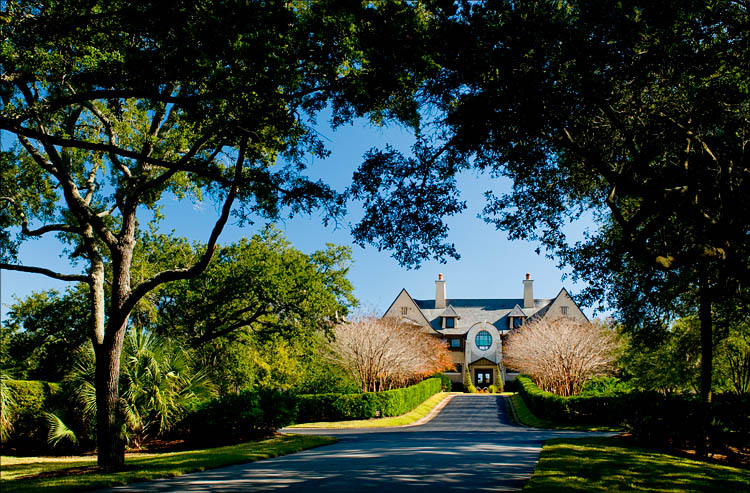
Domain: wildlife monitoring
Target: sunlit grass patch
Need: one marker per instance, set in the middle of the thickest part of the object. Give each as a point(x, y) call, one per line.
point(612, 464)
point(142, 467)
point(412, 416)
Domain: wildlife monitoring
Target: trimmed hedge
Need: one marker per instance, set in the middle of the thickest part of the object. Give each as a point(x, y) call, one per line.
point(237, 417)
point(32, 398)
point(445, 382)
point(676, 420)
point(598, 410)
point(340, 407)
point(653, 417)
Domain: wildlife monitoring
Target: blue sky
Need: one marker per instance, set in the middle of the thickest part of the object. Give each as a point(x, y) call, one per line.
point(491, 266)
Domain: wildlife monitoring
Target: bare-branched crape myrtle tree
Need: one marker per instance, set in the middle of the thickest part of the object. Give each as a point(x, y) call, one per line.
point(383, 354)
point(561, 355)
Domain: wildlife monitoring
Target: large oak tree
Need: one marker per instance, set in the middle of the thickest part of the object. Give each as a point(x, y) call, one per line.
point(117, 105)
point(636, 112)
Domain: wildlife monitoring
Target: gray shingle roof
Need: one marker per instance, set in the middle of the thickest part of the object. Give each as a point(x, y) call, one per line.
point(494, 311)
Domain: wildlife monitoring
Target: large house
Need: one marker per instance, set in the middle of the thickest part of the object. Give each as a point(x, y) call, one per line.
point(474, 329)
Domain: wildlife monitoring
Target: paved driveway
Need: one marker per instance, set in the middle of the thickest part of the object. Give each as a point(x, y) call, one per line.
point(469, 446)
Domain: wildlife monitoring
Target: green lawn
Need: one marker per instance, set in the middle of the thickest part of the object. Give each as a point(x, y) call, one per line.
point(412, 416)
point(613, 464)
point(142, 467)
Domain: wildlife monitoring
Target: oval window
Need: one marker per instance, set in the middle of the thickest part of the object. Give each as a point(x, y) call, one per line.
point(483, 340)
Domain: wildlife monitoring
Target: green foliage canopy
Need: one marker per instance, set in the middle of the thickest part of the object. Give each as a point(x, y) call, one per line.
point(116, 106)
point(263, 285)
point(41, 333)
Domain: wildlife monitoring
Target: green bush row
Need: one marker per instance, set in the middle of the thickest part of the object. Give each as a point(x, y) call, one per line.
point(32, 398)
point(653, 417)
point(237, 417)
point(445, 382)
point(339, 407)
point(598, 410)
point(676, 420)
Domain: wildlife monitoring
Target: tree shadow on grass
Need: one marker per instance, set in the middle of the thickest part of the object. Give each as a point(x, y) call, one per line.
point(612, 464)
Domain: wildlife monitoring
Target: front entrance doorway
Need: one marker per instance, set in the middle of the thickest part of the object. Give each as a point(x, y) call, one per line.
point(482, 378)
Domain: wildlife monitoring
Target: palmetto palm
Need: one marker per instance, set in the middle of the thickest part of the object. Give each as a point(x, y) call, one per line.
point(7, 408)
point(157, 384)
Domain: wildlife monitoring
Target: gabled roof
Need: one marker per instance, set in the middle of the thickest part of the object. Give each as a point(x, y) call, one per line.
point(419, 309)
point(482, 361)
point(450, 312)
point(516, 312)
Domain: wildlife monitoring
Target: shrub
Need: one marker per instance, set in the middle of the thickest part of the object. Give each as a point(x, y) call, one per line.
point(498, 380)
point(355, 406)
point(652, 417)
point(317, 407)
point(604, 386)
point(238, 417)
point(32, 399)
point(336, 407)
point(492, 389)
point(676, 420)
point(468, 386)
point(602, 410)
point(445, 382)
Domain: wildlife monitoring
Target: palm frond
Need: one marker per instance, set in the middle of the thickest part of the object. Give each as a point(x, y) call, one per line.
point(58, 431)
point(7, 408)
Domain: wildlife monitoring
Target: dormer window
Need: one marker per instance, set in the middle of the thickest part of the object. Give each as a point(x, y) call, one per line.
point(448, 318)
point(516, 317)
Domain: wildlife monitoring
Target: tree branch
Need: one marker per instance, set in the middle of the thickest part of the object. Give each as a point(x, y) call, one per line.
point(209, 336)
point(111, 135)
point(176, 274)
point(81, 98)
point(46, 272)
point(106, 148)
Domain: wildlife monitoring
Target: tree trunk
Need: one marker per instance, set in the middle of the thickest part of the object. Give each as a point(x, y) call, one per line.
point(110, 414)
point(110, 434)
point(704, 314)
point(97, 301)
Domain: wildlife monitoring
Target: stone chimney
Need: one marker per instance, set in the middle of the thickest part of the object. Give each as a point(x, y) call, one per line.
point(440, 292)
point(528, 292)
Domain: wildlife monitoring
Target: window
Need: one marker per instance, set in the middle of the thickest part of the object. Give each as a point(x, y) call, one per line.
point(455, 343)
point(483, 340)
point(450, 322)
point(564, 310)
point(458, 368)
point(404, 310)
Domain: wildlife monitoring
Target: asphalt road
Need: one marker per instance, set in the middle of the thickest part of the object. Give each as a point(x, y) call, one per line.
point(470, 445)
